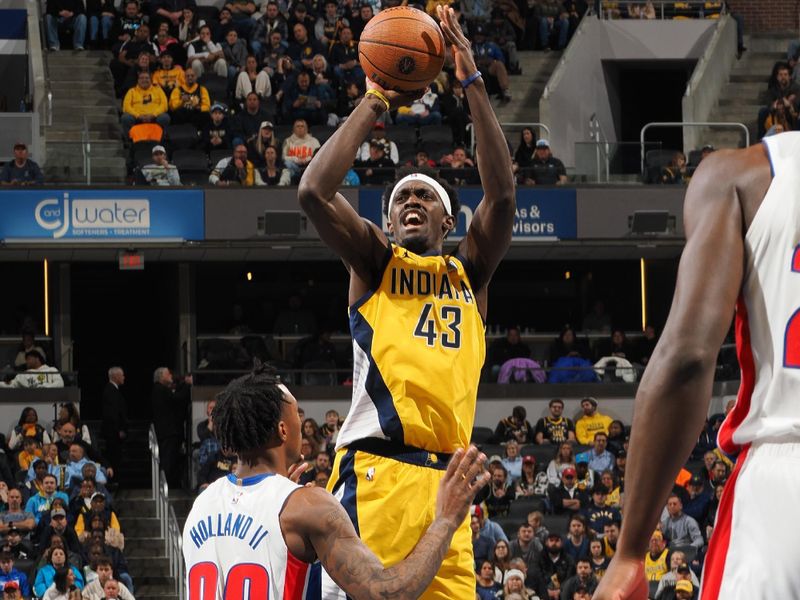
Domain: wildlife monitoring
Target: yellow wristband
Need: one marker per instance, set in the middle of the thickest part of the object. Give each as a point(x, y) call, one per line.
point(379, 96)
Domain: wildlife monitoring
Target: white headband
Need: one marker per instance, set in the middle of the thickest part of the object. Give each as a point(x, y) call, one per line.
point(437, 187)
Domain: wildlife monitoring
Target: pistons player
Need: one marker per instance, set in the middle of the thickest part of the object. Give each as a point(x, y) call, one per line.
point(742, 218)
point(254, 534)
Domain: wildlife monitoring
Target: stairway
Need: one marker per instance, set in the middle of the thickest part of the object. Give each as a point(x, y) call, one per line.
point(526, 89)
point(144, 546)
point(745, 92)
point(82, 86)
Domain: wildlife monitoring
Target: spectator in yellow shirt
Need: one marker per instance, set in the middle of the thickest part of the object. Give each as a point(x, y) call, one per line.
point(144, 103)
point(169, 75)
point(190, 102)
point(591, 422)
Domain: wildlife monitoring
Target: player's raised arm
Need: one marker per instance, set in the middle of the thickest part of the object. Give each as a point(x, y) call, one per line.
point(316, 525)
point(490, 232)
point(673, 397)
point(359, 243)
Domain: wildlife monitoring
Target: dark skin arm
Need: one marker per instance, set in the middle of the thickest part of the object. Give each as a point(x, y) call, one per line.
point(314, 525)
point(489, 234)
point(672, 401)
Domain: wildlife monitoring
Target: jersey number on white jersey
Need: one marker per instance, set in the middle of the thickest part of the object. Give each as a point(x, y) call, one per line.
point(244, 581)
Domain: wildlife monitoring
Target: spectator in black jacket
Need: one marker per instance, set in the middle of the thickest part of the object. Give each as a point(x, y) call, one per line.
point(248, 122)
point(169, 11)
point(115, 416)
point(555, 565)
point(344, 57)
point(205, 427)
point(170, 405)
point(62, 14)
point(378, 168)
point(126, 25)
point(218, 134)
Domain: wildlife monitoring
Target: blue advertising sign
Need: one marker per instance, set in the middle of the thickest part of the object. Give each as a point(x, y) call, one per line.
point(96, 215)
point(542, 214)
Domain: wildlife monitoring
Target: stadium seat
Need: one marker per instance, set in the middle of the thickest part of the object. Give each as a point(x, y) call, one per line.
point(217, 155)
point(182, 137)
point(313, 376)
point(194, 178)
point(190, 160)
point(689, 550)
point(438, 140)
point(323, 134)
point(557, 523)
point(652, 589)
point(491, 449)
point(694, 158)
point(207, 13)
point(217, 87)
point(522, 507)
point(542, 453)
point(481, 435)
point(406, 139)
point(283, 370)
point(142, 153)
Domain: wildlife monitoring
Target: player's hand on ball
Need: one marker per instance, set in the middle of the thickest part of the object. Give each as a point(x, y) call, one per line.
point(464, 477)
point(624, 580)
point(396, 99)
point(458, 42)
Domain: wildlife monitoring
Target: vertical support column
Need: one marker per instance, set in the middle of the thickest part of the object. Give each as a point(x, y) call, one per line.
point(186, 318)
point(62, 336)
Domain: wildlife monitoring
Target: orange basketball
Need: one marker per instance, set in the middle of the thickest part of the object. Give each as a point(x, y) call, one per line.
point(401, 49)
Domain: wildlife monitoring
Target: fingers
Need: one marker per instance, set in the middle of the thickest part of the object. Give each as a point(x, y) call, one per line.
point(455, 461)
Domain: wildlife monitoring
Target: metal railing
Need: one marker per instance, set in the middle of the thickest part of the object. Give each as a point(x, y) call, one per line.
point(471, 131)
point(86, 147)
point(597, 135)
point(168, 522)
point(661, 9)
point(728, 125)
point(41, 98)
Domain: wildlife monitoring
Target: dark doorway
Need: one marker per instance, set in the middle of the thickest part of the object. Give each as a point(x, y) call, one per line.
point(125, 318)
point(643, 92)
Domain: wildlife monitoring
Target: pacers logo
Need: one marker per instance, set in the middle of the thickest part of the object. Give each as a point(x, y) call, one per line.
point(406, 65)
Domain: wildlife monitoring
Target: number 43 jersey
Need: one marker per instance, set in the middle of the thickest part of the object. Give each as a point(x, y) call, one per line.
point(234, 548)
point(418, 350)
point(768, 311)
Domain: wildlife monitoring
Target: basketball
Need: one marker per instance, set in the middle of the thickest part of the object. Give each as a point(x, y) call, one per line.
point(401, 49)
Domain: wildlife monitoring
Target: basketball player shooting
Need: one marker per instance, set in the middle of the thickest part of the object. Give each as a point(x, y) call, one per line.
point(742, 220)
point(417, 322)
point(255, 533)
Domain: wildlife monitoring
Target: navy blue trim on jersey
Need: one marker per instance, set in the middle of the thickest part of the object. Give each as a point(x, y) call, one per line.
point(252, 480)
point(402, 453)
point(385, 263)
point(374, 384)
point(348, 479)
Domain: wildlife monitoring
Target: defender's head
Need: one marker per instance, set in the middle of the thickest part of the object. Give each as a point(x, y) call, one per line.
point(421, 209)
point(256, 414)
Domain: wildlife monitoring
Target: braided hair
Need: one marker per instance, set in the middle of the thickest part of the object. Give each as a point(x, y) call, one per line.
point(248, 411)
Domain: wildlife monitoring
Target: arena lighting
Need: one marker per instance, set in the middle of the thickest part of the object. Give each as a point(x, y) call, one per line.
point(46, 302)
point(249, 276)
point(567, 275)
point(643, 270)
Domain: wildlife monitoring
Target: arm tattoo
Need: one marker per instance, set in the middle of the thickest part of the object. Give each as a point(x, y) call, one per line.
point(359, 572)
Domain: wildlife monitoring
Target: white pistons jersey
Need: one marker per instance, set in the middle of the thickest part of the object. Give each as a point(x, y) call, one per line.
point(768, 311)
point(233, 545)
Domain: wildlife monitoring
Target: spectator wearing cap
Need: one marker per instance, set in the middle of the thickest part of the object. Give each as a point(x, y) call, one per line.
point(544, 169)
point(58, 532)
point(584, 580)
point(299, 148)
point(514, 583)
point(160, 172)
point(15, 516)
point(555, 428)
point(265, 139)
point(598, 457)
point(236, 170)
point(597, 513)
point(11, 591)
point(247, 123)
point(489, 528)
point(696, 505)
point(379, 133)
point(22, 170)
point(566, 498)
point(204, 54)
point(532, 484)
point(344, 58)
point(489, 59)
point(481, 544)
point(98, 507)
point(62, 15)
point(37, 374)
point(678, 527)
point(590, 422)
point(189, 102)
point(9, 575)
point(20, 549)
point(144, 103)
point(218, 132)
point(655, 561)
point(684, 590)
point(378, 168)
point(679, 571)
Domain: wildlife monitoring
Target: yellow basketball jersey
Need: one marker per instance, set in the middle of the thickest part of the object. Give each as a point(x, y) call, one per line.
point(655, 569)
point(418, 349)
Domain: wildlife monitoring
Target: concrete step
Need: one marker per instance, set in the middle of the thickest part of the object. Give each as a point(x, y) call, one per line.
point(154, 590)
point(170, 596)
point(141, 526)
point(769, 41)
point(741, 103)
point(107, 129)
point(748, 77)
point(143, 546)
point(761, 62)
point(106, 148)
point(164, 583)
point(154, 566)
point(749, 89)
point(79, 76)
point(74, 136)
point(93, 113)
